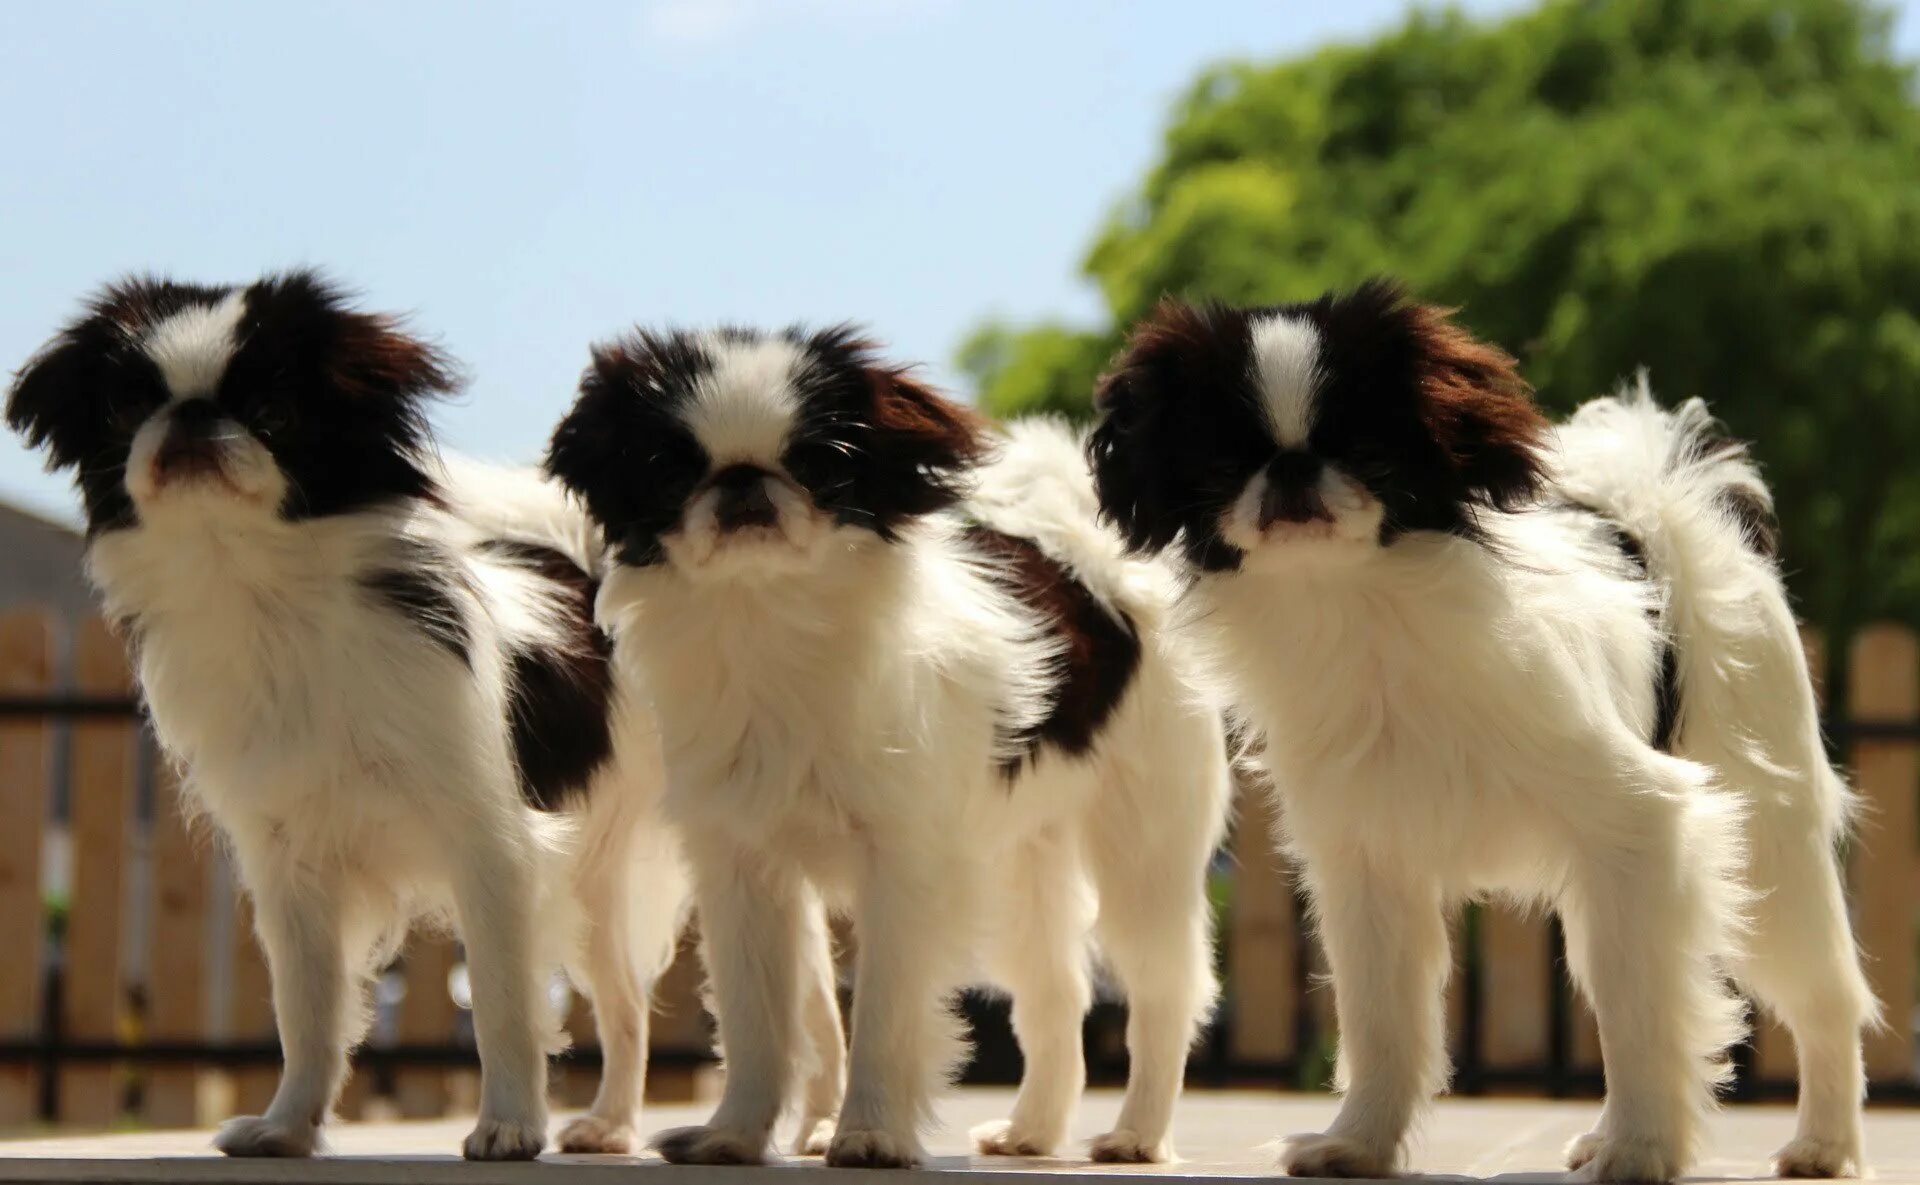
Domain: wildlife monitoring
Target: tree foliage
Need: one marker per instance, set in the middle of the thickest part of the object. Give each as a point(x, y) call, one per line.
point(1726, 192)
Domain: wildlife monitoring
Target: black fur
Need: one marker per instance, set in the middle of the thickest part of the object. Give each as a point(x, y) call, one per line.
point(561, 697)
point(425, 587)
point(337, 396)
point(1101, 648)
point(1436, 425)
point(871, 446)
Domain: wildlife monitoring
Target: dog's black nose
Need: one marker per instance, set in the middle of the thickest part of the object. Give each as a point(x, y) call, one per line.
point(197, 416)
point(742, 499)
point(1293, 491)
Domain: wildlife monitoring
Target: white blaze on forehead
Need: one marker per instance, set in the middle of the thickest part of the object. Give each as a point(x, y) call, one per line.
point(743, 409)
point(193, 346)
point(1286, 370)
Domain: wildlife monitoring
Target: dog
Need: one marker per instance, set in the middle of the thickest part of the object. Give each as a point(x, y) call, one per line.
point(959, 715)
point(379, 674)
point(1492, 656)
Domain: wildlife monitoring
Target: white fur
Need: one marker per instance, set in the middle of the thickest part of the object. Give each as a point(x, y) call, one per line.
point(1286, 365)
point(1447, 720)
point(363, 778)
point(193, 346)
point(831, 731)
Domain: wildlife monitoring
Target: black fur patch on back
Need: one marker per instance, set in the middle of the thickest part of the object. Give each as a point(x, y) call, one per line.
point(1666, 688)
point(423, 585)
point(1101, 654)
point(561, 696)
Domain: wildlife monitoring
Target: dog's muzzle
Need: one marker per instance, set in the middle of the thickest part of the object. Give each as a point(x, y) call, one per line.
point(193, 443)
point(1293, 491)
point(741, 499)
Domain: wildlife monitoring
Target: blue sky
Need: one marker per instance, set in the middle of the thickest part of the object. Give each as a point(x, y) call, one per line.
point(526, 177)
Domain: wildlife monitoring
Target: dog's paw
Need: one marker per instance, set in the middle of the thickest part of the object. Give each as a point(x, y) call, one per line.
point(814, 1135)
point(1121, 1146)
point(257, 1135)
point(1632, 1159)
point(710, 1145)
point(505, 1139)
point(595, 1135)
point(1327, 1155)
point(872, 1150)
point(1807, 1156)
point(1580, 1150)
point(1004, 1137)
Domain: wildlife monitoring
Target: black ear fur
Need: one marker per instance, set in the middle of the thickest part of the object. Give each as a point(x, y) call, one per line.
point(1126, 468)
point(1178, 348)
point(923, 447)
point(51, 391)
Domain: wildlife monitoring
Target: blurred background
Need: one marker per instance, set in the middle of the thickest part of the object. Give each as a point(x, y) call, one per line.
point(1726, 192)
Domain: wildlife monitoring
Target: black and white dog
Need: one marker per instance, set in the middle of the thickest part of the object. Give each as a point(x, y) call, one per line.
point(379, 673)
point(1490, 655)
point(961, 716)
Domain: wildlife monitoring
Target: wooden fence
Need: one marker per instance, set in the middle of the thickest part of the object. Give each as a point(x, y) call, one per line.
point(130, 986)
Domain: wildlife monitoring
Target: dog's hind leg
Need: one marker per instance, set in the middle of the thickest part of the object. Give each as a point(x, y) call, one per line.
point(1038, 950)
point(1801, 963)
point(632, 892)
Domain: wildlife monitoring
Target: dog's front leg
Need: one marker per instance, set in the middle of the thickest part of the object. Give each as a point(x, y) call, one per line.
point(1386, 941)
point(914, 924)
point(752, 918)
point(494, 891)
point(296, 915)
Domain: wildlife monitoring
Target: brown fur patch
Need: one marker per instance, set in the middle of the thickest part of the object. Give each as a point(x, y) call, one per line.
point(1478, 408)
point(1101, 653)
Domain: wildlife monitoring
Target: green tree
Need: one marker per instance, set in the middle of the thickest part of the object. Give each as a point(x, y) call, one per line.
point(1724, 191)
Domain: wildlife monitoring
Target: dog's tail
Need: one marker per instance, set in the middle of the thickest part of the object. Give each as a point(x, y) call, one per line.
point(515, 504)
point(1693, 500)
point(1037, 486)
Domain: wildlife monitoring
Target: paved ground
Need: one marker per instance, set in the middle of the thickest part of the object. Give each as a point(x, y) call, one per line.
point(1220, 1135)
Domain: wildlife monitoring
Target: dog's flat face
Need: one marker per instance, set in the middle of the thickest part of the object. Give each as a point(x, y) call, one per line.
point(1314, 432)
point(269, 399)
point(739, 454)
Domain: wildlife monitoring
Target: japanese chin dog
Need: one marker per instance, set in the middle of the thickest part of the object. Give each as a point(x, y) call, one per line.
point(379, 674)
point(1490, 655)
point(959, 717)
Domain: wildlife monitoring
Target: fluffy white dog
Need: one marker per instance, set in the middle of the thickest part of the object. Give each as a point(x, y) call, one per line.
point(379, 674)
point(964, 720)
point(1490, 656)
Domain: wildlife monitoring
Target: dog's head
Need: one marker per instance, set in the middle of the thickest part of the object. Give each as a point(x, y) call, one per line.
point(275, 398)
point(744, 454)
point(1323, 430)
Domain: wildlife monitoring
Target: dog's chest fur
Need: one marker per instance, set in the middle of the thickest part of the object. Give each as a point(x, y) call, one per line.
point(1411, 704)
point(292, 695)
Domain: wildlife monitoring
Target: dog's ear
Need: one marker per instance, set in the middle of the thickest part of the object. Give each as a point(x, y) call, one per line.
point(922, 447)
point(52, 401)
point(369, 358)
point(1479, 410)
point(938, 440)
point(374, 358)
point(1178, 350)
point(587, 443)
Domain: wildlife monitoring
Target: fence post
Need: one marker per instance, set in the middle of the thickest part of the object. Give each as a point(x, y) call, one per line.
point(26, 669)
point(1886, 689)
point(176, 954)
point(1517, 984)
point(92, 983)
point(1262, 997)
